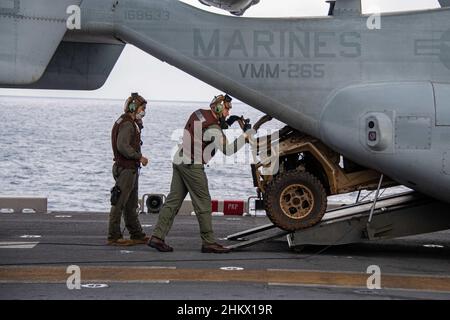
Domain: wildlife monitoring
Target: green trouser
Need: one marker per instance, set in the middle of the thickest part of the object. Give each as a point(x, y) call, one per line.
point(128, 181)
point(187, 178)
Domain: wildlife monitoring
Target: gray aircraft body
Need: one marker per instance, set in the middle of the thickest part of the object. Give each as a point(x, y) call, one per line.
point(377, 94)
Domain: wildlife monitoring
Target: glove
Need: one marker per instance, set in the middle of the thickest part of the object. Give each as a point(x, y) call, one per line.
point(232, 119)
point(223, 124)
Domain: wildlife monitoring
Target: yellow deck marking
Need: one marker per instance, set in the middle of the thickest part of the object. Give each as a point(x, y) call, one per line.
point(17, 274)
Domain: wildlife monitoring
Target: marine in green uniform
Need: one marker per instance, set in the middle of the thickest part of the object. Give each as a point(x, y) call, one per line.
point(203, 135)
point(126, 145)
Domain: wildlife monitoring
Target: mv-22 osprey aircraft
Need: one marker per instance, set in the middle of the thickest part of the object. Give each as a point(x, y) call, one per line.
point(366, 107)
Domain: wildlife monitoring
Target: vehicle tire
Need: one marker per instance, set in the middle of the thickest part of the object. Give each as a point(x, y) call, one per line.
point(295, 200)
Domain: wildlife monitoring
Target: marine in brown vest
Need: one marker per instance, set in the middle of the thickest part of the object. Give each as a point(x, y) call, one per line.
point(203, 135)
point(126, 145)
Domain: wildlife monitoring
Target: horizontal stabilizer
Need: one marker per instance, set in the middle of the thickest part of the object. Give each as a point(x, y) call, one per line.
point(78, 66)
point(30, 32)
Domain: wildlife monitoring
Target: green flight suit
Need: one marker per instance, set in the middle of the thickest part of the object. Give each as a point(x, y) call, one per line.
point(128, 181)
point(192, 178)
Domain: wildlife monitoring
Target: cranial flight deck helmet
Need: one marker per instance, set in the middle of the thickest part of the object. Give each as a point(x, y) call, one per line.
point(134, 102)
point(219, 103)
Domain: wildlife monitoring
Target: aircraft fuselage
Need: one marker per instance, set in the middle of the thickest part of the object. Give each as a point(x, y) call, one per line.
point(379, 94)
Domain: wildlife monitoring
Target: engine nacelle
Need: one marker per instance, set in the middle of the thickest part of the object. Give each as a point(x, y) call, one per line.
point(236, 7)
point(398, 128)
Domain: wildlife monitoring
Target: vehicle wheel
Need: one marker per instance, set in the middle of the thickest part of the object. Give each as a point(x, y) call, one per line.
point(295, 200)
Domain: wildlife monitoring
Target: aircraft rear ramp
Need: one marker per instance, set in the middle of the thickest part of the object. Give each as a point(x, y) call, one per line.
point(393, 217)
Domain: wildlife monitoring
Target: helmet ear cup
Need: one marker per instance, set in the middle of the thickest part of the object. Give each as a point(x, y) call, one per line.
point(218, 108)
point(132, 106)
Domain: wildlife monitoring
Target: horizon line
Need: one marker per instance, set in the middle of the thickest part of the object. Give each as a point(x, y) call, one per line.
point(109, 99)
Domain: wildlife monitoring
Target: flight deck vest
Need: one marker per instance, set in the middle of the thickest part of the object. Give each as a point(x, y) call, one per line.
point(120, 159)
point(193, 141)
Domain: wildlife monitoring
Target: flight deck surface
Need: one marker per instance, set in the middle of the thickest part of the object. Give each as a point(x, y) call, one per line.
point(36, 249)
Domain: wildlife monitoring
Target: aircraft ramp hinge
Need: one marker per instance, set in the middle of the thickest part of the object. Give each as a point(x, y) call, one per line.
point(377, 233)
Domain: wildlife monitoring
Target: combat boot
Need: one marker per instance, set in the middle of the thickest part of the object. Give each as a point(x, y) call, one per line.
point(214, 248)
point(159, 245)
point(140, 241)
point(120, 242)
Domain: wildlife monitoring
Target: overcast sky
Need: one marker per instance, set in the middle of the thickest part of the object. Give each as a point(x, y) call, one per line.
point(138, 71)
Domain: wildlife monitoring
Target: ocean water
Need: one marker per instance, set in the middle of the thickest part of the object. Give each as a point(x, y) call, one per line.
point(61, 149)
